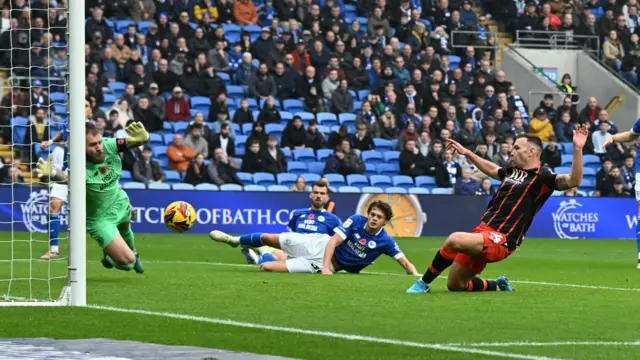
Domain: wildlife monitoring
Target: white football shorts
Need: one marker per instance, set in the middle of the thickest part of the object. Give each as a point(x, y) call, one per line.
point(637, 187)
point(60, 191)
point(305, 252)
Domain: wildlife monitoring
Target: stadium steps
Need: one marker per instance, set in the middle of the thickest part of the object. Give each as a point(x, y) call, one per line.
point(503, 37)
point(6, 152)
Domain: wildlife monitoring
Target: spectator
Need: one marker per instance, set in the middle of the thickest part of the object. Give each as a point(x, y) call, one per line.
point(412, 161)
point(589, 114)
point(212, 84)
point(179, 154)
point(216, 127)
point(294, 136)
point(330, 84)
point(357, 75)
point(341, 99)
point(409, 133)
point(224, 141)
point(486, 189)
point(285, 81)
point(226, 10)
point(599, 137)
point(454, 170)
point(219, 58)
point(551, 155)
point(564, 128)
point(258, 133)
point(619, 191)
point(541, 126)
point(567, 106)
point(366, 115)
point(196, 142)
point(177, 107)
point(253, 161)
point(12, 174)
point(603, 115)
point(602, 176)
point(155, 101)
point(262, 84)
point(273, 158)
point(245, 70)
point(503, 158)
point(112, 125)
point(190, 79)
point(223, 169)
point(37, 132)
point(424, 143)
point(269, 113)
point(351, 163)
point(315, 139)
point(198, 121)
point(219, 106)
point(263, 46)
point(385, 126)
point(243, 114)
point(613, 51)
point(197, 171)
point(409, 116)
point(466, 185)
point(300, 185)
point(143, 114)
point(362, 139)
point(469, 136)
point(146, 169)
point(245, 12)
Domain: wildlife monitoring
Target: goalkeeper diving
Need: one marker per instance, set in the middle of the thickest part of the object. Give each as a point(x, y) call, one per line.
point(109, 212)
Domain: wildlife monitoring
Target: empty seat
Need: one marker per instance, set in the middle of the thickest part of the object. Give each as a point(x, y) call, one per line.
point(173, 177)
point(395, 190)
point(134, 185)
point(402, 181)
point(562, 170)
point(207, 187)
point(391, 156)
point(278, 188)
point(347, 119)
point(442, 191)
point(370, 169)
point(372, 157)
point(388, 169)
point(293, 105)
point(382, 181)
point(425, 181)
point(254, 188)
point(297, 167)
point(274, 129)
point(286, 179)
point(304, 155)
point(335, 179)
point(418, 191)
point(372, 190)
point(156, 139)
point(310, 178)
point(180, 126)
point(263, 178)
point(327, 119)
point(567, 159)
point(349, 189)
point(323, 154)
point(245, 177)
point(183, 186)
point(230, 187)
point(316, 167)
point(382, 145)
point(357, 180)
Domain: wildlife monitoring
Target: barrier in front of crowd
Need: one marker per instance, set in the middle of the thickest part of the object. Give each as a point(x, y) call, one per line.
point(24, 209)
point(557, 40)
point(462, 38)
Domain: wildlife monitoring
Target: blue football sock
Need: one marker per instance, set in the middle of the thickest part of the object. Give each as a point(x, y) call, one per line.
point(638, 236)
point(54, 228)
point(251, 240)
point(265, 258)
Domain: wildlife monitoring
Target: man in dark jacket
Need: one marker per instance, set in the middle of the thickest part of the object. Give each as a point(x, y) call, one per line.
point(551, 155)
point(261, 84)
point(262, 47)
point(285, 81)
point(143, 114)
point(147, 170)
point(411, 160)
point(223, 169)
point(273, 159)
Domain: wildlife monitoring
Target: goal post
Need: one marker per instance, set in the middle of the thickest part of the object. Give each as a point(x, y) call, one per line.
point(21, 263)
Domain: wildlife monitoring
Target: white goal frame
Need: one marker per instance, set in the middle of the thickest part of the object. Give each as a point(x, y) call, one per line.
point(75, 292)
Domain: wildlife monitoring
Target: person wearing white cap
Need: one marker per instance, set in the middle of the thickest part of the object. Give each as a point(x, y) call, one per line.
point(177, 107)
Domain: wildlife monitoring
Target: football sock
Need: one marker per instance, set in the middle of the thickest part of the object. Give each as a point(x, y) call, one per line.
point(251, 240)
point(265, 258)
point(442, 260)
point(129, 238)
point(54, 228)
point(118, 266)
point(477, 284)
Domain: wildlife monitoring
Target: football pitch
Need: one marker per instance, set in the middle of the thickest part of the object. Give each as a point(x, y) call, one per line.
point(574, 299)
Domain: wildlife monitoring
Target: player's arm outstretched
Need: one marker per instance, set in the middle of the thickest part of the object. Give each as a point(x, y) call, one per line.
point(486, 166)
point(408, 266)
point(574, 178)
point(46, 168)
point(328, 253)
point(55, 139)
point(138, 135)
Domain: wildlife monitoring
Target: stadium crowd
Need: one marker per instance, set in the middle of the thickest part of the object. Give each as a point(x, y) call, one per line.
point(279, 93)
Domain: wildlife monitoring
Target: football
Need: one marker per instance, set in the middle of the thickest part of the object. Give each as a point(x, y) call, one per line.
point(179, 216)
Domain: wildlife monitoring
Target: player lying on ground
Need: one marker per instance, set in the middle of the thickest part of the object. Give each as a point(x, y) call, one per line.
point(108, 209)
point(355, 245)
point(314, 220)
point(526, 186)
point(629, 136)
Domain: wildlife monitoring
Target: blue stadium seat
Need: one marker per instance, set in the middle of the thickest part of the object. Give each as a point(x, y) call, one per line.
point(372, 190)
point(143, 26)
point(167, 127)
point(382, 181)
point(19, 121)
point(225, 77)
point(234, 127)
point(278, 188)
point(349, 189)
point(391, 156)
point(168, 138)
point(442, 191)
point(117, 89)
point(161, 186)
point(246, 177)
point(562, 170)
point(305, 154)
point(246, 128)
point(156, 139)
point(121, 25)
point(180, 126)
point(362, 94)
point(388, 169)
point(347, 119)
point(357, 106)
point(293, 105)
point(233, 91)
point(173, 177)
point(252, 28)
point(357, 180)
point(323, 154)
point(241, 140)
point(336, 179)
point(263, 178)
point(394, 144)
point(159, 152)
point(274, 129)
point(60, 109)
point(370, 169)
point(372, 157)
point(567, 148)
point(566, 160)
point(395, 190)
point(230, 187)
point(108, 100)
point(207, 187)
point(419, 191)
point(255, 188)
point(305, 116)
point(126, 175)
point(425, 181)
point(557, 193)
point(402, 181)
point(310, 178)
point(200, 103)
point(182, 186)
point(58, 97)
point(382, 145)
point(587, 185)
point(591, 160)
point(316, 167)
point(327, 119)
point(297, 167)
point(589, 173)
point(287, 153)
point(134, 186)
point(286, 179)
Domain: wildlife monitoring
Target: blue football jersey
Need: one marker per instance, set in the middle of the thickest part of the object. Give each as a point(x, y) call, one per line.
point(635, 130)
point(360, 249)
point(307, 221)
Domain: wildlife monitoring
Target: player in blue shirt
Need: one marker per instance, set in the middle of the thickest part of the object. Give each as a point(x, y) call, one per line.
point(355, 245)
point(628, 136)
point(313, 220)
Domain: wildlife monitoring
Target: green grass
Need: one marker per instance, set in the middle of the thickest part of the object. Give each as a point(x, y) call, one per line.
point(178, 280)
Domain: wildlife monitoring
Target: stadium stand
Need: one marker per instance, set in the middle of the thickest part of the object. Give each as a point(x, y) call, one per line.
point(362, 92)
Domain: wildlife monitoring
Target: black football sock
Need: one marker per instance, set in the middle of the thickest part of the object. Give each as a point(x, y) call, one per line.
point(477, 284)
point(442, 260)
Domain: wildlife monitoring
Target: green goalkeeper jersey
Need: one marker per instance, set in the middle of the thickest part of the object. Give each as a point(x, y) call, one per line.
point(103, 181)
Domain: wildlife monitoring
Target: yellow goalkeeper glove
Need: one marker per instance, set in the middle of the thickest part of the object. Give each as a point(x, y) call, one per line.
point(44, 167)
point(138, 135)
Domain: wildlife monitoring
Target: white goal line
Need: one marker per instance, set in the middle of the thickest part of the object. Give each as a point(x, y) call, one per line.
point(542, 283)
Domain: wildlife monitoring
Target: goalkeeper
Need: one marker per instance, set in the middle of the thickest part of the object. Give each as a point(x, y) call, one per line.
point(108, 209)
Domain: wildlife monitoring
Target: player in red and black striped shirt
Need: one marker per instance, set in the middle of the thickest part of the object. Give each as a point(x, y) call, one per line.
point(526, 185)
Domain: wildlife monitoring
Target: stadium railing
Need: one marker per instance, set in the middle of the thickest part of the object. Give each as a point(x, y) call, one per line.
point(557, 40)
point(462, 38)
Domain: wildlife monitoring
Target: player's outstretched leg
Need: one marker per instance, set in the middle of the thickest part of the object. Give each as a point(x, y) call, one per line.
point(54, 228)
point(258, 241)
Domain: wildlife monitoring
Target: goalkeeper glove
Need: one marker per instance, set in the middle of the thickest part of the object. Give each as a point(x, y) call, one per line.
point(138, 135)
point(44, 167)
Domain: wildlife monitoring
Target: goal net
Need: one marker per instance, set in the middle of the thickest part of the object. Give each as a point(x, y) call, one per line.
point(39, 99)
